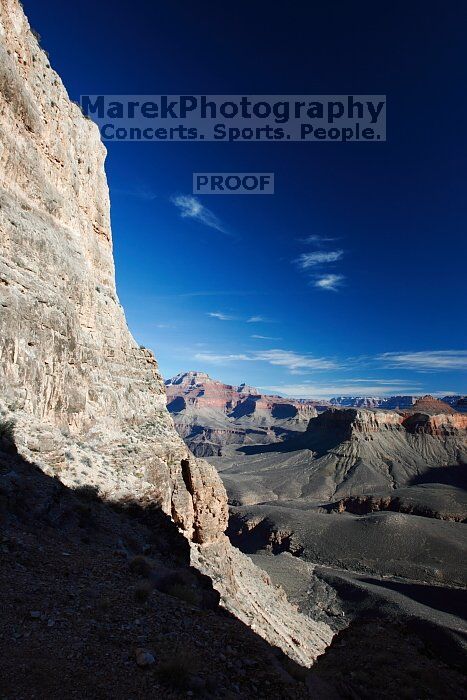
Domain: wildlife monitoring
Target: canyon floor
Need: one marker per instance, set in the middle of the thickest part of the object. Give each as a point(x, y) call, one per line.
point(359, 516)
point(100, 601)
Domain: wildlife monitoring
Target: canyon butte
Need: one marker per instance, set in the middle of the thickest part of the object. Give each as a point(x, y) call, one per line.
point(117, 577)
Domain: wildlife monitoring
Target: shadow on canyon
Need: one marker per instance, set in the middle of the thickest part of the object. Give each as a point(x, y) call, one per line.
point(148, 550)
point(40, 509)
point(452, 601)
point(455, 475)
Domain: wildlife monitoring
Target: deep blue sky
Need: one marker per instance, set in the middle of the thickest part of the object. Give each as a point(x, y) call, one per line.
point(398, 210)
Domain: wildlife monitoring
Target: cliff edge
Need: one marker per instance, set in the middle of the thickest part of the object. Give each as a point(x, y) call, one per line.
point(88, 404)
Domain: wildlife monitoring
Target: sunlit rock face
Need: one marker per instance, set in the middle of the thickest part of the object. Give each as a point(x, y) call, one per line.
point(89, 405)
point(68, 360)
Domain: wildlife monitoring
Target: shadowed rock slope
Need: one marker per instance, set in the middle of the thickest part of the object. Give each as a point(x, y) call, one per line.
point(88, 404)
point(100, 601)
point(350, 452)
point(360, 490)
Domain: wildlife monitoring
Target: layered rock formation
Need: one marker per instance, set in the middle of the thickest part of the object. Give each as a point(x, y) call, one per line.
point(347, 452)
point(428, 404)
point(215, 418)
point(389, 403)
point(360, 490)
point(457, 402)
point(87, 402)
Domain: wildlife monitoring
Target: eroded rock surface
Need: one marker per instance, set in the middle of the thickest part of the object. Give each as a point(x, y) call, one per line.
point(89, 405)
point(215, 418)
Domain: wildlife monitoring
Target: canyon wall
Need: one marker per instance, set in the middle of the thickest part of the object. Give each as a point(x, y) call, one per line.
point(88, 404)
point(214, 419)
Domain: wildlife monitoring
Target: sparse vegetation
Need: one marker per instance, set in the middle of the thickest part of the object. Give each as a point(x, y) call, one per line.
point(142, 591)
point(140, 565)
point(87, 492)
point(7, 430)
point(178, 670)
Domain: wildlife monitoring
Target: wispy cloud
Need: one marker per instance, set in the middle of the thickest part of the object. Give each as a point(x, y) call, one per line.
point(387, 382)
point(218, 359)
point(317, 240)
point(314, 262)
point(329, 282)
point(318, 257)
point(191, 208)
point(221, 316)
point(230, 317)
point(427, 359)
point(265, 337)
point(258, 319)
point(294, 362)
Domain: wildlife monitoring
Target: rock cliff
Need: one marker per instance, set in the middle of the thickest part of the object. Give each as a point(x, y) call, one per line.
point(349, 452)
point(88, 404)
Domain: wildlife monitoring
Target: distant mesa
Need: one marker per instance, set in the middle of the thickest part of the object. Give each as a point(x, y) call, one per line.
point(388, 403)
point(428, 404)
point(214, 418)
point(403, 402)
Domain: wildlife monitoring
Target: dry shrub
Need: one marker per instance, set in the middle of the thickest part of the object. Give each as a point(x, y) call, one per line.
point(142, 591)
point(140, 565)
point(186, 593)
point(177, 670)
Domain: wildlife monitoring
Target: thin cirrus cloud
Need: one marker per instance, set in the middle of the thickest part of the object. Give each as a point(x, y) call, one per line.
point(318, 257)
point(218, 359)
point(329, 282)
point(258, 319)
point(264, 337)
point(427, 360)
point(296, 363)
point(314, 262)
point(229, 317)
point(317, 240)
point(191, 208)
point(221, 316)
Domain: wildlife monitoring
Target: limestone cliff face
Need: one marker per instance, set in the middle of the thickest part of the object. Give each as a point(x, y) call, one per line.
point(88, 403)
point(351, 422)
point(346, 422)
point(67, 357)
